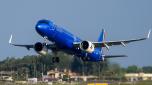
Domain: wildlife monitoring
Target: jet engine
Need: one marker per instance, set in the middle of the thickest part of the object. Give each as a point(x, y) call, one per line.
point(87, 46)
point(40, 48)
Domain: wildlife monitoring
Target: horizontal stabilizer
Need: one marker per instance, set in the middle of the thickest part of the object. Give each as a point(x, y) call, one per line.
point(113, 56)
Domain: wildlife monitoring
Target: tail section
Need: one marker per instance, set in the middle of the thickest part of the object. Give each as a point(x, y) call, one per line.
point(101, 38)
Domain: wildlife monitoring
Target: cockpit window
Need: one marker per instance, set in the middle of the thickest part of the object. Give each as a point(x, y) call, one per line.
point(50, 23)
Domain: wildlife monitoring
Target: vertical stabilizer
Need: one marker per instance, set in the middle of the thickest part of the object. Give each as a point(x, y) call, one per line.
point(101, 38)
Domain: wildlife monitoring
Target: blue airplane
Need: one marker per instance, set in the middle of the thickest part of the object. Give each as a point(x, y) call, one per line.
point(63, 40)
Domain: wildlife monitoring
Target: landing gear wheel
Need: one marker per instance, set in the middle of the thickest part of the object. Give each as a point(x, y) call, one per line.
point(55, 60)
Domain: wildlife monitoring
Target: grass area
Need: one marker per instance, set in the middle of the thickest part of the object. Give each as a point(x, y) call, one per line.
point(136, 83)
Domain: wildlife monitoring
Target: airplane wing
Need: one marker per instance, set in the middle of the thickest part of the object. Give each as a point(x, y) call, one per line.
point(114, 56)
point(111, 43)
point(49, 46)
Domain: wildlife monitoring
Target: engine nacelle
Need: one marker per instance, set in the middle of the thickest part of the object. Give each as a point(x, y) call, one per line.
point(87, 46)
point(40, 48)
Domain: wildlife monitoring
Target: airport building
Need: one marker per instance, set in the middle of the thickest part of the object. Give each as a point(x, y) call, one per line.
point(66, 75)
point(6, 75)
point(138, 76)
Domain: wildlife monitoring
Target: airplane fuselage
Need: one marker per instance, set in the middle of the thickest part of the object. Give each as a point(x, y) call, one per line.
point(64, 40)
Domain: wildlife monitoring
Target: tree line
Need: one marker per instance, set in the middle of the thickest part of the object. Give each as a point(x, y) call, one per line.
point(34, 66)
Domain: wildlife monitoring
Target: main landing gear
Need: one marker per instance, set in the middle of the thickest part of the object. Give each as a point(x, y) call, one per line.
point(55, 59)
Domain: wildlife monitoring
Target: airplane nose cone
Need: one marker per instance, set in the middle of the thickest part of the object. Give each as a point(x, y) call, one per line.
point(40, 28)
point(43, 26)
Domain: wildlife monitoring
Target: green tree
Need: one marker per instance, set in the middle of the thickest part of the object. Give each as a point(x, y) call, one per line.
point(133, 69)
point(147, 69)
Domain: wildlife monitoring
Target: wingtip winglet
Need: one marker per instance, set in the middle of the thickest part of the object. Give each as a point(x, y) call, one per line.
point(10, 40)
point(149, 33)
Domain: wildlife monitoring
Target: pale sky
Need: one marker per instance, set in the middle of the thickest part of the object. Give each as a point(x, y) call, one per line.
point(122, 19)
